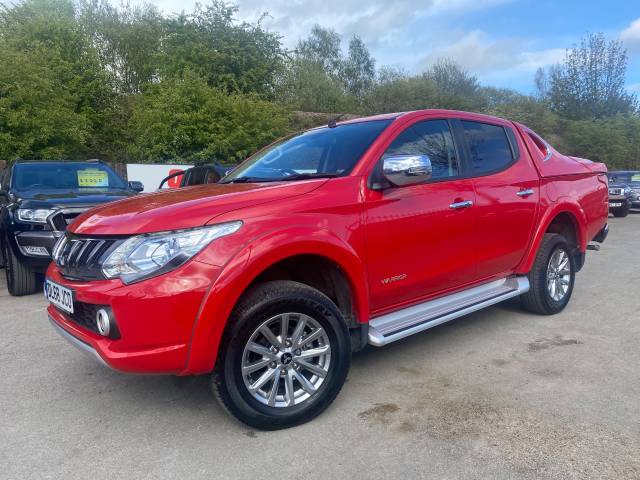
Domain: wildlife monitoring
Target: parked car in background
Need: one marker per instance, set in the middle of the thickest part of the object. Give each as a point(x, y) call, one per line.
point(38, 200)
point(199, 175)
point(620, 199)
point(362, 232)
point(628, 180)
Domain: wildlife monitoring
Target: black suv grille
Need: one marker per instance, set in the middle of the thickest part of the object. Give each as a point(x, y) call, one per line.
point(80, 258)
point(64, 217)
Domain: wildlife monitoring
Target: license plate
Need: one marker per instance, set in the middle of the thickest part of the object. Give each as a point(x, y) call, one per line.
point(58, 295)
point(615, 204)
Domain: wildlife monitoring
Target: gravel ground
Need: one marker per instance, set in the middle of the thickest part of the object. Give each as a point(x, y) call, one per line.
point(497, 394)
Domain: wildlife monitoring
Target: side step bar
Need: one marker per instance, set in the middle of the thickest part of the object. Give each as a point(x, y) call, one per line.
point(403, 323)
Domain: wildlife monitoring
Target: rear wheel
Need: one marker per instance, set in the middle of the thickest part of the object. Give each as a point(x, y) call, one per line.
point(21, 280)
point(552, 277)
point(284, 357)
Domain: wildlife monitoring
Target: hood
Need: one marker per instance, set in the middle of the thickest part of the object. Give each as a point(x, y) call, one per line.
point(69, 198)
point(184, 208)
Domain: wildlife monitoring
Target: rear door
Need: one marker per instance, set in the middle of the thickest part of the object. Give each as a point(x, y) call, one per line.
point(417, 244)
point(507, 194)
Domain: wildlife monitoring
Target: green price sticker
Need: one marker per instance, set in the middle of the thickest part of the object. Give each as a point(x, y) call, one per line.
point(93, 178)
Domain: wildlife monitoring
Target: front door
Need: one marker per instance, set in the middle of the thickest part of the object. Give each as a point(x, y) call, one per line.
point(420, 238)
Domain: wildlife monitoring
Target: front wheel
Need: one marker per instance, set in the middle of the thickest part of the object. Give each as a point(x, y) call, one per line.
point(284, 357)
point(552, 277)
point(21, 280)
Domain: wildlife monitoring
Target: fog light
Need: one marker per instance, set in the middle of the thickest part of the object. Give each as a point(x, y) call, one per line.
point(104, 322)
point(40, 251)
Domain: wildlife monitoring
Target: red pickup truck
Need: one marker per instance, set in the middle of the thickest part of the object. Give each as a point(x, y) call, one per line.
point(357, 233)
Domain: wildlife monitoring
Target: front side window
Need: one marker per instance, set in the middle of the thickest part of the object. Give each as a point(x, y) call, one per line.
point(489, 147)
point(432, 138)
point(328, 151)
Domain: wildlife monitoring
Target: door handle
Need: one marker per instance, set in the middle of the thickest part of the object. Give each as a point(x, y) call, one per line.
point(525, 193)
point(459, 205)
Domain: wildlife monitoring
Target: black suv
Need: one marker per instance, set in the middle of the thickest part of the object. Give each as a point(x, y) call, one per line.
point(624, 188)
point(38, 199)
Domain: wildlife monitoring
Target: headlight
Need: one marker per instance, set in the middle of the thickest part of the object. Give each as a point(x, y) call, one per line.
point(38, 215)
point(145, 256)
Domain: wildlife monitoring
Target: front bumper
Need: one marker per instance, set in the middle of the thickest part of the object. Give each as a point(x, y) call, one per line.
point(154, 318)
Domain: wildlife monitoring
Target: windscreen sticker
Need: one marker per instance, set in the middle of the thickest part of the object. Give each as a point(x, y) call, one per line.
point(635, 178)
point(93, 178)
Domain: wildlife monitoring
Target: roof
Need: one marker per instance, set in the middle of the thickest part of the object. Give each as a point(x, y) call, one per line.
point(432, 111)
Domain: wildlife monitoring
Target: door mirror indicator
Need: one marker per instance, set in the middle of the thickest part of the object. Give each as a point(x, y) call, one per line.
point(405, 170)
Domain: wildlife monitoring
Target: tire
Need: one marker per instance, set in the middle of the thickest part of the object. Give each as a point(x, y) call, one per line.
point(20, 279)
point(621, 213)
point(540, 297)
point(292, 404)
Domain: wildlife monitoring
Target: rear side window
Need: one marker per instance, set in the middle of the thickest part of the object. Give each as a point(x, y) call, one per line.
point(541, 145)
point(489, 147)
point(431, 138)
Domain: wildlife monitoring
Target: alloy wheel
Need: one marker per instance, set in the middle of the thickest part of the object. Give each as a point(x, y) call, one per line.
point(286, 360)
point(558, 275)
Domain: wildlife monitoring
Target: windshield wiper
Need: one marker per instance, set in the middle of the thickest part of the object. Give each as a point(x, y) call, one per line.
point(251, 180)
point(305, 176)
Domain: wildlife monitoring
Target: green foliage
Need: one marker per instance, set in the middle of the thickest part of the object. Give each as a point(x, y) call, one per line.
point(309, 88)
point(613, 140)
point(230, 56)
point(396, 91)
point(127, 40)
point(186, 119)
point(53, 91)
point(591, 82)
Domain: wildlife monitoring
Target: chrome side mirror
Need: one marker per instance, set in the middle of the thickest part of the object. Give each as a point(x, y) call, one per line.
point(404, 170)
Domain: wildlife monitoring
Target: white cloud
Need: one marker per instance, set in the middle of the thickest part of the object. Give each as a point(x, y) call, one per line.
point(634, 88)
point(631, 36)
point(481, 54)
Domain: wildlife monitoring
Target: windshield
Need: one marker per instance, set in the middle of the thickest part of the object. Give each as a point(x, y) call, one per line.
point(627, 178)
point(320, 152)
point(65, 176)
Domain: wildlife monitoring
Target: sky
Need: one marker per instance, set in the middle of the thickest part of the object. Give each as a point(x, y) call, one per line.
point(503, 42)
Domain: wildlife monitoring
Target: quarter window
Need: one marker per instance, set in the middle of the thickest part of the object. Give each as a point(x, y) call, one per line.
point(431, 138)
point(489, 147)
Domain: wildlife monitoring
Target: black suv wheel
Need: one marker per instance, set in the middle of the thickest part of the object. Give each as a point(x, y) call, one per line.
point(284, 356)
point(552, 277)
point(20, 279)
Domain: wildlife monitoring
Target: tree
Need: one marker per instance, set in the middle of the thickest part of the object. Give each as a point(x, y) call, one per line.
point(591, 81)
point(232, 56)
point(358, 69)
point(396, 91)
point(307, 87)
point(127, 39)
point(323, 48)
point(187, 119)
point(457, 88)
point(53, 91)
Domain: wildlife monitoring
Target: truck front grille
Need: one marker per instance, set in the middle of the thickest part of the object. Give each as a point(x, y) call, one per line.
point(80, 258)
point(62, 218)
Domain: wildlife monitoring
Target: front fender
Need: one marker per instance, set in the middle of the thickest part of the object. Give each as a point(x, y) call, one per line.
point(245, 266)
point(563, 205)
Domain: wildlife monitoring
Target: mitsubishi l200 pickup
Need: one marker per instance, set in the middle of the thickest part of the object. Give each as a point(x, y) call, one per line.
point(357, 233)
